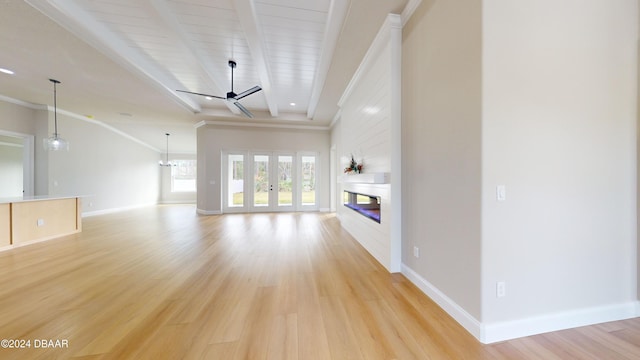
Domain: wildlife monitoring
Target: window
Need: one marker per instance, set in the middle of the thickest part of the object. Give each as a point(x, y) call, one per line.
point(183, 176)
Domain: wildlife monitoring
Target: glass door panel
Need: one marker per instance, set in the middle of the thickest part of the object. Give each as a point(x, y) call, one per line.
point(261, 181)
point(308, 167)
point(285, 180)
point(235, 181)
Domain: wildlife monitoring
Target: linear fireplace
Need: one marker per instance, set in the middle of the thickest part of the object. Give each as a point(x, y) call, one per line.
point(366, 205)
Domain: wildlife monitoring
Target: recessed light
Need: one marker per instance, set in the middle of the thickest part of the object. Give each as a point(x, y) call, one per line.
point(292, 104)
point(6, 71)
point(208, 97)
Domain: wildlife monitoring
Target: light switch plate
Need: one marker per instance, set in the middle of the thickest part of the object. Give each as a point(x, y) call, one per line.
point(501, 193)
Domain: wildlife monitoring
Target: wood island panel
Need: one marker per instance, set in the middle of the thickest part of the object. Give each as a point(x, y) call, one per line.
point(5, 225)
point(44, 219)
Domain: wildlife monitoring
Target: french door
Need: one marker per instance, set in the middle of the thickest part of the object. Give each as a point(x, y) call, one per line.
point(272, 188)
point(255, 181)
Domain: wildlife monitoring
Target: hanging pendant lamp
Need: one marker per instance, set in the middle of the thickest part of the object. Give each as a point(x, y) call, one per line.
point(55, 142)
point(167, 162)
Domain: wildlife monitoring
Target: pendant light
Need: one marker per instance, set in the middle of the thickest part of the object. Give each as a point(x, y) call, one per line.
point(55, 142)
point(167, 162)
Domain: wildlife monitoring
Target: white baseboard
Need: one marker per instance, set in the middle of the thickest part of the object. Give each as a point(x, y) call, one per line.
point(208, 212)
point(506, 330)
point(324, 210)
point(471, 324)
point(114, 210)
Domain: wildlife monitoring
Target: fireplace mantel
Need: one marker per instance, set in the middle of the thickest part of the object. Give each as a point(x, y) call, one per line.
point(367, 178)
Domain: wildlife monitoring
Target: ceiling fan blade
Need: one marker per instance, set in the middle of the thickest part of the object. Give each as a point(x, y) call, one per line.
point(248, 92)
point(243, 109)
point(195, 93)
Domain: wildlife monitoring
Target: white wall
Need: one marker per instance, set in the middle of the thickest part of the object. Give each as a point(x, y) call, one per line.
point(213, 139)
point(24, 119)
point(559, 130)
point(369, 115)
point(11, 171)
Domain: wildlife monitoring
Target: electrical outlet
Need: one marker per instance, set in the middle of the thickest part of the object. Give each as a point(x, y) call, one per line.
point(501, 289)
point(40, 222)
point(416, 252)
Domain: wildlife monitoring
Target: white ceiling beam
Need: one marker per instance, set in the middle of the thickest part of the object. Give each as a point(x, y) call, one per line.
point(249, 21)
point(257, 115)
point(338, 10)
point(83, 25)
point(170, 20)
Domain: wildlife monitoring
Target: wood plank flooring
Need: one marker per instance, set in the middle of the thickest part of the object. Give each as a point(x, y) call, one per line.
point(164, 283)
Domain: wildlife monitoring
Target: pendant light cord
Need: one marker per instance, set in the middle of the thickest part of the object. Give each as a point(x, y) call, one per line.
point(55, 108)
point(55, 111)
point(167, 147)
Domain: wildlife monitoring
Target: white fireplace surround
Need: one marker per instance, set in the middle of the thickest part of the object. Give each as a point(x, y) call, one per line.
point(375, 85)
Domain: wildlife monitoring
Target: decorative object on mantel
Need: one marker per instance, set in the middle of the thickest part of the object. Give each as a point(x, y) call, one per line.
point(167, 162)
point(55, 142)
point(354, 167)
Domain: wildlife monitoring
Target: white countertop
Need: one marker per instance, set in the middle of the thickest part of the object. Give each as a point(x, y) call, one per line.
point(34, 198)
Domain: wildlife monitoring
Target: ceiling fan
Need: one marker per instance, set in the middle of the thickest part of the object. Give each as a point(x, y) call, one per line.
point(232, 96)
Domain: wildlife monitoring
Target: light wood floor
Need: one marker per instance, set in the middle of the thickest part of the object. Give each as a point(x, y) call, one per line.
point(165, 283)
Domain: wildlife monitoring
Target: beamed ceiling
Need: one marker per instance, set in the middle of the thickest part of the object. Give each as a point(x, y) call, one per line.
point(121, 61)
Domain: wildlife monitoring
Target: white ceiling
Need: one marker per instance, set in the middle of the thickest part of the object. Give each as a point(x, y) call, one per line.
point(121, 61)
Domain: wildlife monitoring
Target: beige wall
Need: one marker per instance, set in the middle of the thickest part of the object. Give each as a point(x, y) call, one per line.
point(559, 130)
point(13, 117)
point(168, 197)
point(112, 171)
point(541, 98)
point(638, 167)
point(441, 119)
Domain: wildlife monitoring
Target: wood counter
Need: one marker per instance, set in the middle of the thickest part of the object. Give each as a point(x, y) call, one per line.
point(27, 220)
